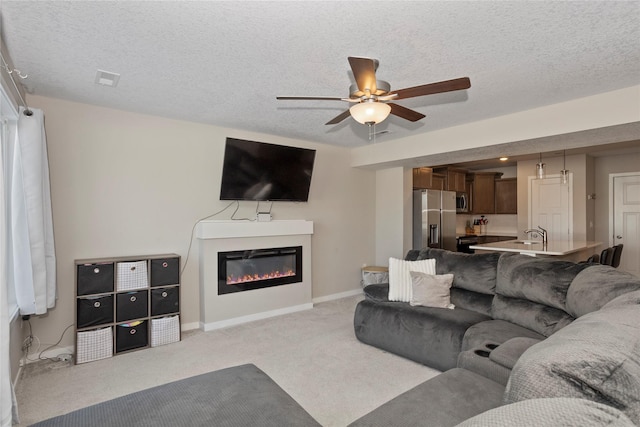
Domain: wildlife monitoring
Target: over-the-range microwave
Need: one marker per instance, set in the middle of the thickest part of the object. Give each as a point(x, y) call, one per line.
point(462, 202)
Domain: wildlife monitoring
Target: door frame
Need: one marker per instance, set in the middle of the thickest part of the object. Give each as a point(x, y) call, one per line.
point(610, 239)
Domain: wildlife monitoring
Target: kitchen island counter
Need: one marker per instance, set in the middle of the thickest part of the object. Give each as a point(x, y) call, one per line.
point(558, 248)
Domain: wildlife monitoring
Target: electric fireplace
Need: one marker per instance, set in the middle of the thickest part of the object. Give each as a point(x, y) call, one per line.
point(258, 268)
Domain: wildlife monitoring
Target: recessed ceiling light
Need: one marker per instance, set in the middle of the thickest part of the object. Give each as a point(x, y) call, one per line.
point(504, 159)
point(107, 78)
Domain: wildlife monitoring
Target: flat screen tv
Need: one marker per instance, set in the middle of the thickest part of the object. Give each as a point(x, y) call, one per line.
point(260, 171)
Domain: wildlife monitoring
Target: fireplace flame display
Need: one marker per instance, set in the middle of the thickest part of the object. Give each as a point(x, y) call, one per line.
point(231, 280)
point(258, 268)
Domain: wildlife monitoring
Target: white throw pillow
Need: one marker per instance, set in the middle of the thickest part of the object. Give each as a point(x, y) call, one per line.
point(431, 290)
point(400, 286)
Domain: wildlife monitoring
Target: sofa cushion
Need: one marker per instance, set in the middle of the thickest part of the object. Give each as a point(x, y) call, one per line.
point(536, 279)
point(624, 299)
point(428, 335)
point(597, 358)
point(400, 285)
point(558, 411)
point(473, 272)
point(442, 401)
point(594, 286)
point(478, 361)
point(508, 353)
point(541, 318)
point(469, 300)
point(431, 290)
point(377, 292)
point(495, 332)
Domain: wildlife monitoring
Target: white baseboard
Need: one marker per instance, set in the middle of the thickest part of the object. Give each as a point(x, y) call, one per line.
point(259, 316)
point(340, 295)
point(252, 317)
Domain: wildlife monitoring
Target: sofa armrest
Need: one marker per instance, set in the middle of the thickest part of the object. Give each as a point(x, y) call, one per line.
point(508, 353)
point(377, 292)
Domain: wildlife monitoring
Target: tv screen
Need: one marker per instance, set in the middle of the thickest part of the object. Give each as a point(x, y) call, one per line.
point(260, 171)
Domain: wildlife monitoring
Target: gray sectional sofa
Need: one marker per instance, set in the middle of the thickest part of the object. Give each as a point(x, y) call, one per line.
point(531, 341)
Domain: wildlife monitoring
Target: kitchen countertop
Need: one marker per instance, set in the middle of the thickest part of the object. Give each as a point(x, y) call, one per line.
point(488, 234)
point(554, 248)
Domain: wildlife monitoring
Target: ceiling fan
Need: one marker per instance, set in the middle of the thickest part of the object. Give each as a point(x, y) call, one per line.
point(371, 97)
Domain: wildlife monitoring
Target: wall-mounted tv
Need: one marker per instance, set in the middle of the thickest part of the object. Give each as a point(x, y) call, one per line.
point(260, 171)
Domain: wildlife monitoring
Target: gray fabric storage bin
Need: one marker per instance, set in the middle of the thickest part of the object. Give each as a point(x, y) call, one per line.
point(165, 271)
point(165, 300)
point(373, 275)
point(132, 305)
point(130, 336)
point(94, 311)
point(94, 278)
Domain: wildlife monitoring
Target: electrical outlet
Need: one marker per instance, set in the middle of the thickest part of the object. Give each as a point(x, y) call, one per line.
point(64, 357)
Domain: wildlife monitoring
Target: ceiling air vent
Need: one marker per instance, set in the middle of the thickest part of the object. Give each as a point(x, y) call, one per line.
point(107, 78)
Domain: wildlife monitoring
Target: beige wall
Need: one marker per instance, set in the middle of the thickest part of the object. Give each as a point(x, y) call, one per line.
point(15, 345)
point(603, 167)
point(389, 214)
point(130, 184)
point(394, 213)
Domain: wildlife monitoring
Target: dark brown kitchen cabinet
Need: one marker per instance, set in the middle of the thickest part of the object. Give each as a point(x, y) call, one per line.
point(425, 179)
point(482, 192)
point(438, 181)
point(422, 178)
point(454, 178)
point(506, 196)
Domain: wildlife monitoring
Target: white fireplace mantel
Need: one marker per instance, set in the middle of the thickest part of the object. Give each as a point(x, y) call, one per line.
point(219, 311)
point(210, 229)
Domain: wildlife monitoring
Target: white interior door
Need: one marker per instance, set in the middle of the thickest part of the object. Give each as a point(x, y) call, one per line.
point(626, 219)
point(551, 207)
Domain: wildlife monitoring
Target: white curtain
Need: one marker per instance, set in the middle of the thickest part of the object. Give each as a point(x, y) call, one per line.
point(32, 263)
point(7, 398)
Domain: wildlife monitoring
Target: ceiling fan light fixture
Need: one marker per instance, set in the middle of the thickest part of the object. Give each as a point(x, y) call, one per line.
point(370, 112)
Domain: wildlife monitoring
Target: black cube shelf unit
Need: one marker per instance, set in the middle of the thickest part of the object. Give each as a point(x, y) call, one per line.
point(125, 304)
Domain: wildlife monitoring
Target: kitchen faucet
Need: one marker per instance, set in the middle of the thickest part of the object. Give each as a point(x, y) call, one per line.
point(541, 231)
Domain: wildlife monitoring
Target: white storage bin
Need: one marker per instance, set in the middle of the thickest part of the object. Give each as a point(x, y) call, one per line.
point(165, 330)
point(94, 345)
point(131, 275)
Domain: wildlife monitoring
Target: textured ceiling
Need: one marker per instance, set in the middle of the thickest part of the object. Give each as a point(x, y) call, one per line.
point(224, 63)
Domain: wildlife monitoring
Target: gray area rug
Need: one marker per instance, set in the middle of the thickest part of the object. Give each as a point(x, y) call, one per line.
point(238, 396)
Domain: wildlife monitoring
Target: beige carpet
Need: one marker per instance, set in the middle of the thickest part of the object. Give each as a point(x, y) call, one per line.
point(313, 355)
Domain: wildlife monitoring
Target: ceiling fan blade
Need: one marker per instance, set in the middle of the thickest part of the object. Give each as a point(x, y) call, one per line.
point(405, 113)
point(364, 70)
point(340, 117)
point(313, 98)
point(432, 88)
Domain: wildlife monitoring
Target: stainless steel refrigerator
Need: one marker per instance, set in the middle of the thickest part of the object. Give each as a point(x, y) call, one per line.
point(434, 219)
